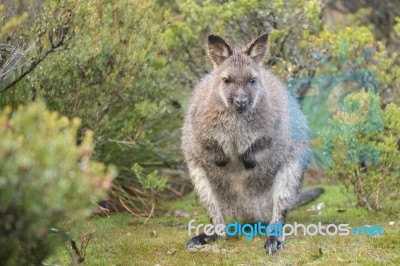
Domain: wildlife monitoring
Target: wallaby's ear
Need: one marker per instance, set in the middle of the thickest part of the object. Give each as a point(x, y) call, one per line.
point(258, 48)
point(218, 50)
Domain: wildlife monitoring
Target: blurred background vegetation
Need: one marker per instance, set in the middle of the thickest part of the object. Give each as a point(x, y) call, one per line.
point(44, 185)
point(126, 69)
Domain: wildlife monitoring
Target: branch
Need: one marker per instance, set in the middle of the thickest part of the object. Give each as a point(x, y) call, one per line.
point(77, 256)
point(54, 46)
point(26, 72)
point(12, 62)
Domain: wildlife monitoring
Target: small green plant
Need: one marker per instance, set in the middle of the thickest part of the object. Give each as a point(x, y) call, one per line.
point(152, 183)
point(365, 149)
point(46, 181)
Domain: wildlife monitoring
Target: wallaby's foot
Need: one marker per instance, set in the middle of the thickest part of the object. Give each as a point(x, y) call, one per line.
point(273, 244)
point(201, 239)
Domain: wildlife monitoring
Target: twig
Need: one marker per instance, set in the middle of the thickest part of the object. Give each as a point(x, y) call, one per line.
point(85, 243)
point(78, 255)
point(152, 208)
point(54, 47)
point(128, 210)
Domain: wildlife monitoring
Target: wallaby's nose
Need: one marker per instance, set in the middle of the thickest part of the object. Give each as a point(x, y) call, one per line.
point(241, 104)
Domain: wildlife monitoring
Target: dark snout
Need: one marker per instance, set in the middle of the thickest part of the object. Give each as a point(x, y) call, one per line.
point(241, 104)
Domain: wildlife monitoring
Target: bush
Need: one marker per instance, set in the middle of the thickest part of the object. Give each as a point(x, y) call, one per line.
point(111, 77)
point(365, 149)
point(46, 181)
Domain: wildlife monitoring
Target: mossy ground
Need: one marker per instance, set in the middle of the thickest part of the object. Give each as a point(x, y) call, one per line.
point(124, 240)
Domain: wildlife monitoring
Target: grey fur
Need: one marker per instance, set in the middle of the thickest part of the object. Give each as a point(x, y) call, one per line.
point(244, 160)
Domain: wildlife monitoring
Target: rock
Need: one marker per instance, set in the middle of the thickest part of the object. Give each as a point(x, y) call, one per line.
point(171, 251)
point(181, 213)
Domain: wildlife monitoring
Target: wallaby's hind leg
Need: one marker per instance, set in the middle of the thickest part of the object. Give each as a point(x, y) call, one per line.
point(207, 196)
point(275, 243)
point(285, 189)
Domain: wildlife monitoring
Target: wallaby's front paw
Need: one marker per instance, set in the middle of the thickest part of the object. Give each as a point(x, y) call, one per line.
point(273, 244)
point(221, 161)
point(220, 158)
point(201, 239)
point(248, 160)
point(217, 153)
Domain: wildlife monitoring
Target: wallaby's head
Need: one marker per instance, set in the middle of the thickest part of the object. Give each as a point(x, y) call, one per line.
point(236, 75)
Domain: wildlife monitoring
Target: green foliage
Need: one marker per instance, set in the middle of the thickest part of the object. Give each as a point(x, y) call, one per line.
point(353, 48)
point(238, 21)
point(363, 140)
point(150, 182)
point(297, 40)
point(10, 55)
point(113, 79)
point(111, 76)
point(397, 28)
point(9, 23)
point(46, 181)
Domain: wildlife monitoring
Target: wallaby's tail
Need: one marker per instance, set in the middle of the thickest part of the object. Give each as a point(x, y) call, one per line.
point(308, 195)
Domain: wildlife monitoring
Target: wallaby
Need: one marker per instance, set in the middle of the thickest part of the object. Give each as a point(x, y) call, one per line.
point(245, 140)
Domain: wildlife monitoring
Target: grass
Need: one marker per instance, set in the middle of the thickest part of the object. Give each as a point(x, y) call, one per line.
point(124, 240)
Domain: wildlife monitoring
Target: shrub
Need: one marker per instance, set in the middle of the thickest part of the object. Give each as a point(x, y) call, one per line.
point(365, 149)
point(46, 181)
point(111, 77)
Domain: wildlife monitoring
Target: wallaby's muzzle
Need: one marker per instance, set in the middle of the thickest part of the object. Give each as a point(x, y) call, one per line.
point(241, 103)
point(240, 100)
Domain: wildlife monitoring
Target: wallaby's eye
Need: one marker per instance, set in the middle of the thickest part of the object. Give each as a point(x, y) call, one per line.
point(252, 81)
point(226, 81)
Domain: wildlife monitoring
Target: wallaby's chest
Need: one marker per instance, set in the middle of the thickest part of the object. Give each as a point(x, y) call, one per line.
point(234, 137)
